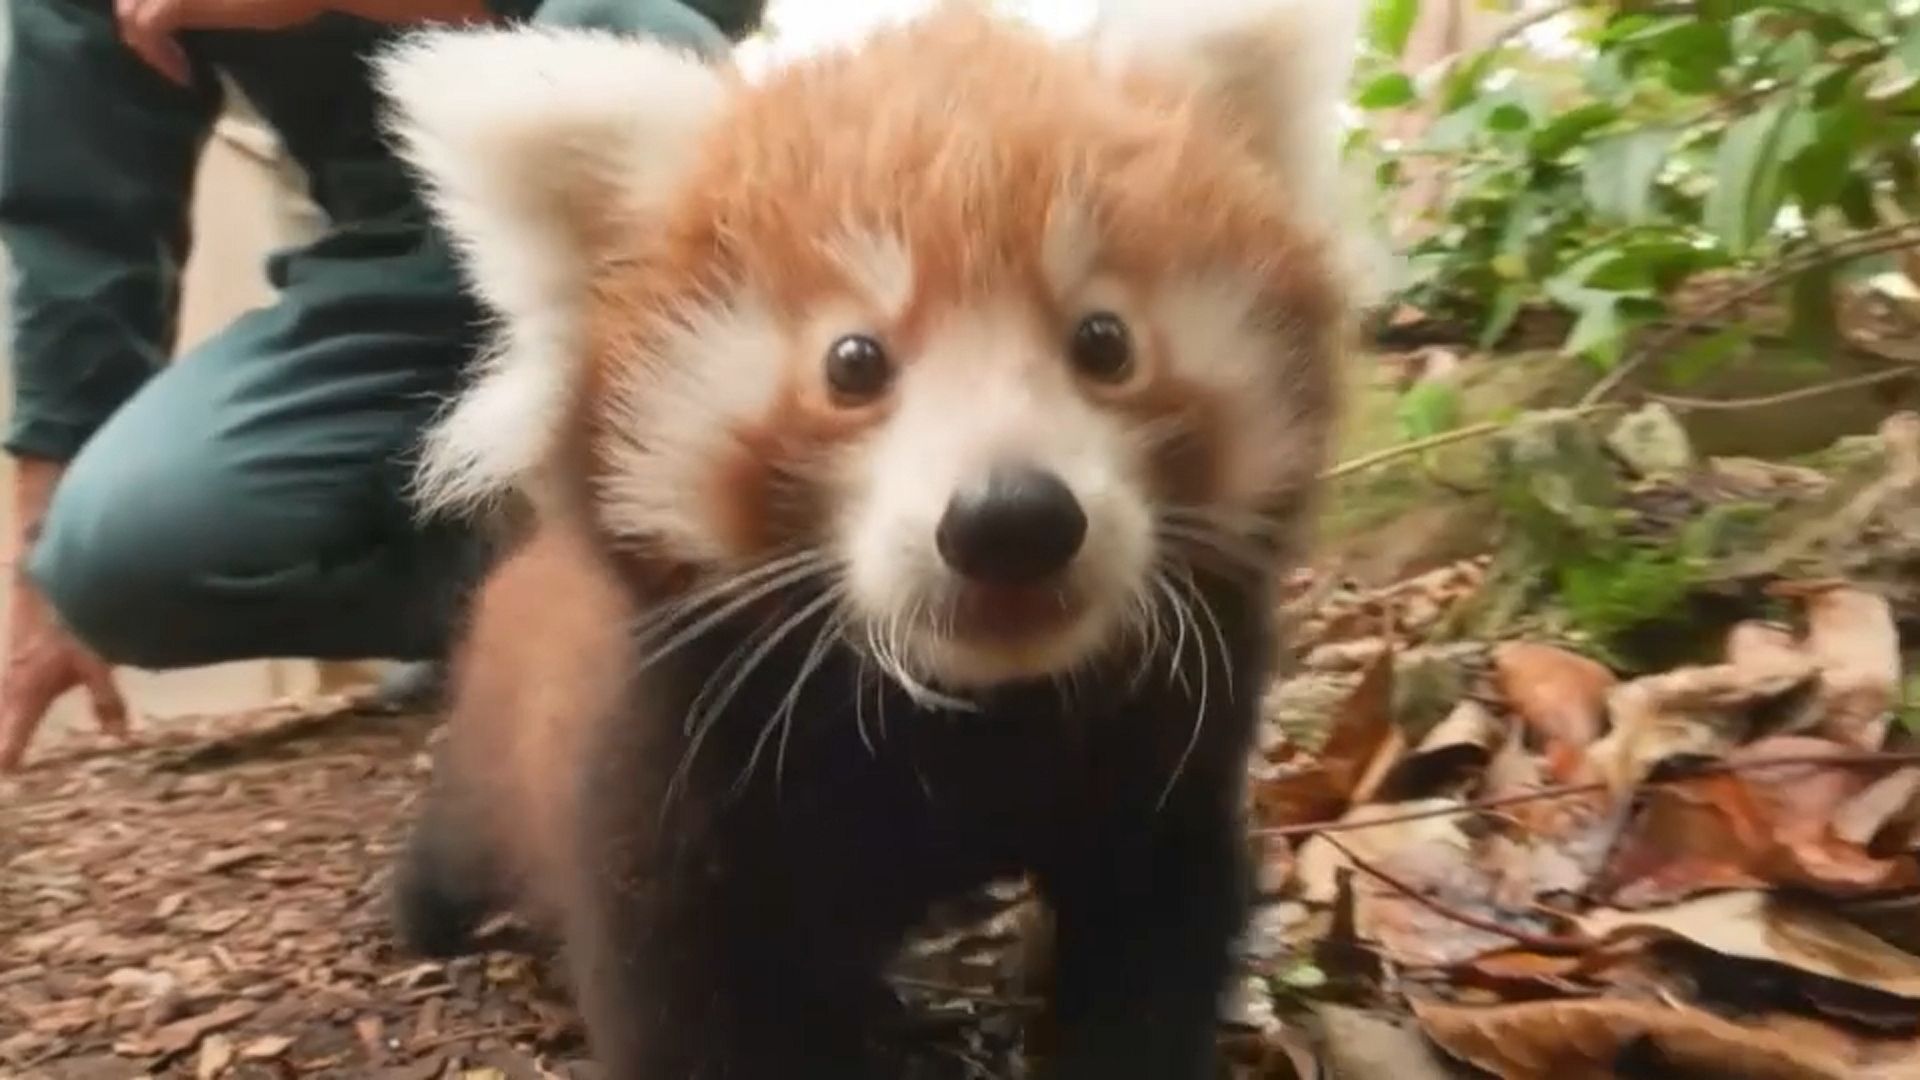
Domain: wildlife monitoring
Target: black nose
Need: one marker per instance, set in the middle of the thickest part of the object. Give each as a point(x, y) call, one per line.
point(1018, 526)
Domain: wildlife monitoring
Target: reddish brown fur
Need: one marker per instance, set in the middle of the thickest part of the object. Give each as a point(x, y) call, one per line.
point(683, 927)
point(809, 155)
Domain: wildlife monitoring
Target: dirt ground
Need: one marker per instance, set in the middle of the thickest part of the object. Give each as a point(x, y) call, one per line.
point(211, 903)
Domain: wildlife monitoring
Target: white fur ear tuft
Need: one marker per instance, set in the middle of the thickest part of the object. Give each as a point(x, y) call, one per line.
point(534, 145)
point(1280, 67)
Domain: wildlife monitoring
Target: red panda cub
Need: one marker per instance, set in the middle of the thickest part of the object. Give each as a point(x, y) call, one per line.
point(910, 434)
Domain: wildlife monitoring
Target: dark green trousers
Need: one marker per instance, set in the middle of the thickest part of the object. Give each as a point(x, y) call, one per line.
point(249, 499)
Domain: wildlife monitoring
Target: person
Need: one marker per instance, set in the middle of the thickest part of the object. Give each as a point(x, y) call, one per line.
point(248, 500)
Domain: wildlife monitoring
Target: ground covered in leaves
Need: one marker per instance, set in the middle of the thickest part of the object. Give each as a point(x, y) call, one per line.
point(210, 903)
point(1503, 829)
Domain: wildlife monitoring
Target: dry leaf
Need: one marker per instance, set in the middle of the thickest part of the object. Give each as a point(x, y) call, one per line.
point(1588, 1040)
point(1890, 804)
point(1454, 753)
point(1320, 861)
point(1758, 926)
point(1852, 637)
point(1690, 711)
point(1278, 1053)
point(1764, 646)
point(1706, 833)
point(216, 1057)
point(1561, 695)
point(1364, 1046)
point(265, 1048)
point(181, 1035)
point(1361, 746)
point(1802, 801)
point(1763, 826)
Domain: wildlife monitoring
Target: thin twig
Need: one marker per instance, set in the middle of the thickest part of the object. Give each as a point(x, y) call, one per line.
point(1862, 245)
point(1445, 438)
point(1571, 945)
point(1763, 401)
point(1313, 828)
point(1841, 760)
point(1524, 23)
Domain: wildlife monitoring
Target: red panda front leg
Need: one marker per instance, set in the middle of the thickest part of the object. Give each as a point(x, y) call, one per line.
point(1145, 928)
point(691, 955)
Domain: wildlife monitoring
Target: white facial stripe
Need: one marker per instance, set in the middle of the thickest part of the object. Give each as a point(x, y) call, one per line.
point(675, 414)
point(1070, 247)
point(987, 389)
point(880, 267)
point(1216, 341)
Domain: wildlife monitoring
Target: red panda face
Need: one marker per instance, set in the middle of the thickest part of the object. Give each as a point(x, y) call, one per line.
point(980, 342)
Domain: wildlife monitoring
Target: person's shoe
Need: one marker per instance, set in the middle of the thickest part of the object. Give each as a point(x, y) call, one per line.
point(412, 687)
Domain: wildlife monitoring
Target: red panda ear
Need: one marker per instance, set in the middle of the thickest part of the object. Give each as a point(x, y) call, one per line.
point(1278, 69)
point(534, 146)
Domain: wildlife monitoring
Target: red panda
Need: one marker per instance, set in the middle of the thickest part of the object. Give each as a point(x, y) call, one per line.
point(911, 435)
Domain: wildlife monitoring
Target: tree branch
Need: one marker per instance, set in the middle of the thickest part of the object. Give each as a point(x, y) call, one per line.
point(1900, 237)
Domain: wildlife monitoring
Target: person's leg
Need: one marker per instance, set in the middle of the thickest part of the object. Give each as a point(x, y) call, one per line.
point(249, 501)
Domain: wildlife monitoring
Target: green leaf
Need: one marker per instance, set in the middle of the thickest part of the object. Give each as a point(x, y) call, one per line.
point(1509, 116)
point(1565, 132)
point(1501, 313)
point(1856, 202)
point(1905, 172)
point(1815, 329)
point(1598, 332)
point(1748, 181)
point(1819, 171)
point(1620, 172)
point(1429, 407)
point(1462, 83)
point(1707, 355)
point(1301, 976)
point(1907, 50)
point(1392, 24)
point(1386, 92)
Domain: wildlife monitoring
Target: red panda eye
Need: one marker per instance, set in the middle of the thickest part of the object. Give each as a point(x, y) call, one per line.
point(1102, 348)
point(858, 368)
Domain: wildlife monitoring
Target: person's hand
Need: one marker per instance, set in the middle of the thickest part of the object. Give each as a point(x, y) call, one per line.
point(43, 660)
point(151, 28)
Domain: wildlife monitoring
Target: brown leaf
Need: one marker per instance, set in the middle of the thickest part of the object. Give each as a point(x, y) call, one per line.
point(1456, 752)
point(1560, 694)
point(1690, 711)
point(265, 1048)
point(228, 858)
point(1280, 1053)
point(216, 1057)
point(1366, 1046)
point(372, 1032)
point(1759, 926)
point(182, 1035)
point(1852, 638)
point(1802, 802)
point(1764, 646)
point(1319, 861)
point(1689, 837)
point(1890, 804)
point(1361, 745)
point(1761, 827)
point(1363, 730)
point(1590, 1039)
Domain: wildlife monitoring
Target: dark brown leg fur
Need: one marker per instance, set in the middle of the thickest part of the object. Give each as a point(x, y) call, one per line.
point(444, 883)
